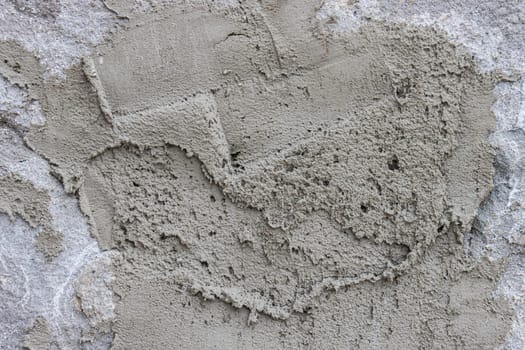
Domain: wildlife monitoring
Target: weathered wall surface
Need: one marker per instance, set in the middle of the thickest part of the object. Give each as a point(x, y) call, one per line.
point(262, 175)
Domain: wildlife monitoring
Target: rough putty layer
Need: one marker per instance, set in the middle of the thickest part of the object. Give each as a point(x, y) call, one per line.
point(260, 161)
point(493, 33)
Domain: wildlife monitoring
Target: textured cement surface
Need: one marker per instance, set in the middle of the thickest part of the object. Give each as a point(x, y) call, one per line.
point(262, 174)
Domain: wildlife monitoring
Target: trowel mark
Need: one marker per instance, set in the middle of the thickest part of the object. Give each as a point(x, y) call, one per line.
point(88, 66)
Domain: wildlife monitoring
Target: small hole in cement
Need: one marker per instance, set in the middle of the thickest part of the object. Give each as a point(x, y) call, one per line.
point(393, 163)
point(349, 231)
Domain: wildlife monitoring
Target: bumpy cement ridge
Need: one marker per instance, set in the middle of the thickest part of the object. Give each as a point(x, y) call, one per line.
point(88, 67)
point(193, 125)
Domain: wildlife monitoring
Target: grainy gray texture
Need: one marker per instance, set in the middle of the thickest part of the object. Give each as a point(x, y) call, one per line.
point(289, 175)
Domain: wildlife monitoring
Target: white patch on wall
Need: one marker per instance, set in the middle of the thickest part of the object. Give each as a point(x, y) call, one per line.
point(29, 286)
point(149, 5)
point(491, 30)
point(17, 108)
point(57, 32)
